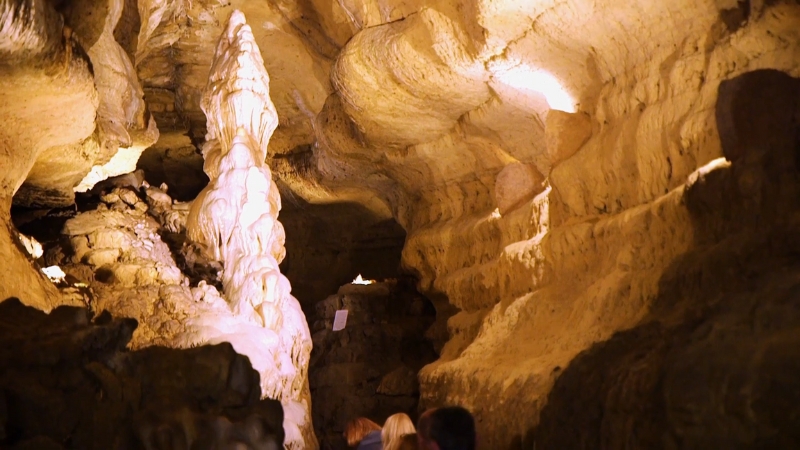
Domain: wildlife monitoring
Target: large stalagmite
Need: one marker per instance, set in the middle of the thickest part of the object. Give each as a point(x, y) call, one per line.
point(234, 221)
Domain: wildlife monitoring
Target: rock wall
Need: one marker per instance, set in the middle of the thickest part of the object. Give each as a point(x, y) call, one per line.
point(709, 364)
point(116, 260)
point(68, 382)
point(36, 59)
point(586, 258)
point(539, 155)
point(369, 368)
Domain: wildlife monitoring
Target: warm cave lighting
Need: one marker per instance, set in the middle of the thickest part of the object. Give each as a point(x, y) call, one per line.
point(32, 246)
point(526, 78)
point(360, 280)
point(54, 273)
point(714, 164)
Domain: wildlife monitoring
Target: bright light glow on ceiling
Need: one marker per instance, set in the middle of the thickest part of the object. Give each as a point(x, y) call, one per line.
point(54, 273)
point(525, 78)
point(360, 280)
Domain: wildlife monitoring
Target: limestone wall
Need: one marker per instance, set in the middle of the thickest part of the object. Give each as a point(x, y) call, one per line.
point(587, 257)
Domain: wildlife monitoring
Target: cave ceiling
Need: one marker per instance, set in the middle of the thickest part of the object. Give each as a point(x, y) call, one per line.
point(397, 105)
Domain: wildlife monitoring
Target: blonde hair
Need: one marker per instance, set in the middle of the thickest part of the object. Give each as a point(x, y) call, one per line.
point(356, 429)
point(393, 430)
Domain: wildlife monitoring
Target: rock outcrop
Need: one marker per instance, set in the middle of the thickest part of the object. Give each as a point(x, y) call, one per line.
point(369, 368)
point(38, 69)
point(709, 364)
point(116, 255)
point(68, 382)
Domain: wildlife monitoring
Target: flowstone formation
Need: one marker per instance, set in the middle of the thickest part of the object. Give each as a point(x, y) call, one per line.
point(234, 221)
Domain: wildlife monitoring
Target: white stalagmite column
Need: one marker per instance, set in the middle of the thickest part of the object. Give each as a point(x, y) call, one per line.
point(234, 220)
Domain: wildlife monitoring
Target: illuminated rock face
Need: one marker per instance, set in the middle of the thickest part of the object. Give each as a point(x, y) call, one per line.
point(234, 221)
point(40, 78)
point(541, 155)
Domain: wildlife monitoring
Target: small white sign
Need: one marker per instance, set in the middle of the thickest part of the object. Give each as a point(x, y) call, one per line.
point(340, 320)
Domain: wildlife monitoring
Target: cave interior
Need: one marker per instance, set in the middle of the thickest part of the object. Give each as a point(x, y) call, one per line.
point(241, 224)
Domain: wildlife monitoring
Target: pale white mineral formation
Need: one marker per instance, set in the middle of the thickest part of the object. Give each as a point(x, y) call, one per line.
point(234, 221)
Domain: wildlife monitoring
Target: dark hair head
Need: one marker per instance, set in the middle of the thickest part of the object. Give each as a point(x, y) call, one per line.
point(408, 442)
point(452, 427)
point(356, 429)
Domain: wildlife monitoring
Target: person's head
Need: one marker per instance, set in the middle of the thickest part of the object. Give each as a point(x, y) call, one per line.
point(356, 429)
point(407, 442)
point(394, 428)
point(424, 428)
point(449, 428)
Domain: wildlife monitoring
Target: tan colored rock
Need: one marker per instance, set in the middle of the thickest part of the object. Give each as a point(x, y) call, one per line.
point(392, 103)
point(122, 121)
point(565, 133)
point(121, 109)
point(40, 78)
point(515, 184)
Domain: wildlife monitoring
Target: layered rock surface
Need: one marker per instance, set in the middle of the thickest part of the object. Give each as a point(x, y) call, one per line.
point(540, 156)
point(709, 363)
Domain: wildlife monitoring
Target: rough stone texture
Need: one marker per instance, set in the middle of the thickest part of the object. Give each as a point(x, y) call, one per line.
point(86, 152)
point(116, 260)
point(68, 382)
point(565, 134)
point(516, 183)
point(413, 108)
point(124, 127)
point(370, 367)
point(619, 280)
point(37, 70)
point(710, 363)
point(41, 71)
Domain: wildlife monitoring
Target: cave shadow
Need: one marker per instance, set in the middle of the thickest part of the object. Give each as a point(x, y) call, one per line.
point(368, 369)
point(328, 245)
point(68, 381)
point(714, 363)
